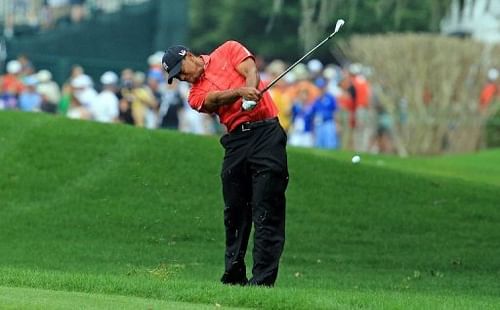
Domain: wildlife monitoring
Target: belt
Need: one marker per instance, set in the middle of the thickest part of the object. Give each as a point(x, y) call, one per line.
point(247, 126)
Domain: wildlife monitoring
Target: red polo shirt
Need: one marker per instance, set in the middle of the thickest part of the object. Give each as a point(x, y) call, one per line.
point(221, 74)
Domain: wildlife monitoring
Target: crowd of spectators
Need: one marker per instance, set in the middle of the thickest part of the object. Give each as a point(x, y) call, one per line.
point(40, 15)
point(319, 106)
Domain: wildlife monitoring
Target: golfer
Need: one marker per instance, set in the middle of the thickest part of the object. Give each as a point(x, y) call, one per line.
point(254, 172)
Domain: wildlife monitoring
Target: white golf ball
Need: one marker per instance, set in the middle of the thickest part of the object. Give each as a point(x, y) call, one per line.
point(356, 159)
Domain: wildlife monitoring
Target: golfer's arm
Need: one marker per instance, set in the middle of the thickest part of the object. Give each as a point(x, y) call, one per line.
point(215, 99)
point(248, 69)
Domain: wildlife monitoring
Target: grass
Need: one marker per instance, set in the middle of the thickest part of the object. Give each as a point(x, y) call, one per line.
point(15, 298)
point(96, 215)
point(478, 167)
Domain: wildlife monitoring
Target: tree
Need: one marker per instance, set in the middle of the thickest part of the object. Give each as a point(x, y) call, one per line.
point(266, 28)
point(285, 29)
point(430, 84)
point(316, 19)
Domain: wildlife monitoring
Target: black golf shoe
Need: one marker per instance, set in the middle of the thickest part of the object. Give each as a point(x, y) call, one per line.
point(235, 276)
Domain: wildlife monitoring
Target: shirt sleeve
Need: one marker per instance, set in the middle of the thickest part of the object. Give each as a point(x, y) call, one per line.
point(196, 99)
point(236, 52)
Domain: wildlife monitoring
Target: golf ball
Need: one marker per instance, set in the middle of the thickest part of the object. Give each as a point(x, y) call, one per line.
point(356, 159)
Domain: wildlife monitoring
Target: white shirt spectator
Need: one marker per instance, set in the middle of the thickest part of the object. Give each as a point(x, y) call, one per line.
point(105, 107)
point(48, 88)
point(86, 97)
point(84, 91)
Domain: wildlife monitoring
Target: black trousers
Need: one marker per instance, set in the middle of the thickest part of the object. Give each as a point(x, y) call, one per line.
point(254, 179)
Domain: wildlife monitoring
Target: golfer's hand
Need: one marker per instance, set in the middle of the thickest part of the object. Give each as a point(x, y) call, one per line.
point(250, 93)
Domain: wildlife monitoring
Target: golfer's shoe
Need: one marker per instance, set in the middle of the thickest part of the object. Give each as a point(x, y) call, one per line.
point(235, 276)
point(252, 282)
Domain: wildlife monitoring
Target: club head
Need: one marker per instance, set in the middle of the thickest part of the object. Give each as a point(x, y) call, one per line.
point(339, 24)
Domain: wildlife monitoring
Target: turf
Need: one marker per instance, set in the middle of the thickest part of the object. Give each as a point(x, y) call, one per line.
point(15, 298)
point(93, 213)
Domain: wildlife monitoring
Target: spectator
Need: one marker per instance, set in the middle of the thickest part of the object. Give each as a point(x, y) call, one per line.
point(142, 100)
point(382, 139)
point(53, 12)
point(127, 79)
point(302, 81)
point(78, 111)
point(362, 97)
point(67, 89)
point(490, 91)
point(155, 70)
point(278, 92)
point(301, 133)
point(30, 100)
point(27, 67)
point(315, 68)
point(66, 98)
point(125, 96)
point(157, 84)
point(83, 91)
point(49, 90)
point(105, 108)
point(324, 108)
point(347, 117)
point(171, 104)
point(8, 100)
point(77, 10)
point(76, 71)
point(11, 82)
point(11, 86)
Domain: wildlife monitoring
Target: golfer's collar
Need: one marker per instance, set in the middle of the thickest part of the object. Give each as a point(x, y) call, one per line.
point(206, 60)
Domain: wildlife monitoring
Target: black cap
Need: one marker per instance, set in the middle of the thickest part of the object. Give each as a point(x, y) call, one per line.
point(172, 60)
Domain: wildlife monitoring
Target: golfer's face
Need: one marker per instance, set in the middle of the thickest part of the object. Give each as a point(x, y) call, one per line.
point(190, 71)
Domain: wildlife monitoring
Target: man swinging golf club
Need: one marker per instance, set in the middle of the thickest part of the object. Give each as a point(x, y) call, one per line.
point(254, 172)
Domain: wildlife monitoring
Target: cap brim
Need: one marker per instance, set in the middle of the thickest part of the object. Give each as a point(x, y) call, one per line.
point(174, 72)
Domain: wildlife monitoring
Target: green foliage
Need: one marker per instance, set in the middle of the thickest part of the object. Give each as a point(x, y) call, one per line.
point(213, 22)
point(115, 210)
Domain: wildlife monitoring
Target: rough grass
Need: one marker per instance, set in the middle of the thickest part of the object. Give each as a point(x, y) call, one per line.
point(114, 210)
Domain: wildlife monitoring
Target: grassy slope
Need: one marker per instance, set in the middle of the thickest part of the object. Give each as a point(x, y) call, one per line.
point(480, 167)
point(26, 298)
point(116, 210)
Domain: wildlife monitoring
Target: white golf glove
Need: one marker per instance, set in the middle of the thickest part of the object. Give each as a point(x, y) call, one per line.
point(248, 105)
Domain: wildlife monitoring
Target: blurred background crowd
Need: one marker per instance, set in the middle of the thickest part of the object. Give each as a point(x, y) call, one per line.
point(322, 106)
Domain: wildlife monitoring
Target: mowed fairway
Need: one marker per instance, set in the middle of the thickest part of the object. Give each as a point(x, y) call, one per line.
point(109, 216)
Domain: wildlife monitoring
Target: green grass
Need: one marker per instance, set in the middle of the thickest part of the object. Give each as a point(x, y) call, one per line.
point(478, 167)
point(15, 298)
point(98, 215)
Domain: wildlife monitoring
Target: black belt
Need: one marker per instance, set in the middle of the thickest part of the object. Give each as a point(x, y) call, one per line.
point(247, 126)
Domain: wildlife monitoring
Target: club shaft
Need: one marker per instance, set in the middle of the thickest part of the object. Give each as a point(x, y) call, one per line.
point(296, 63)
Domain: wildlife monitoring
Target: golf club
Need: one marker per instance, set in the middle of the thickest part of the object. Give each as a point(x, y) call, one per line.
point(338, 25)
point(249, 105)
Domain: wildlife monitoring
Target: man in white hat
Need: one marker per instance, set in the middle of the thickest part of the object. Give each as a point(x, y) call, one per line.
point(83, 97)
point(105, 106)
point(50, 91)
point(83, 90)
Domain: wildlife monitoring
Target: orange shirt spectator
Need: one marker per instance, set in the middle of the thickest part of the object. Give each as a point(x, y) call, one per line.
point(363, 91)
point(10, 83)
point(488, 94)
point(301, 87)
point(490, 90)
